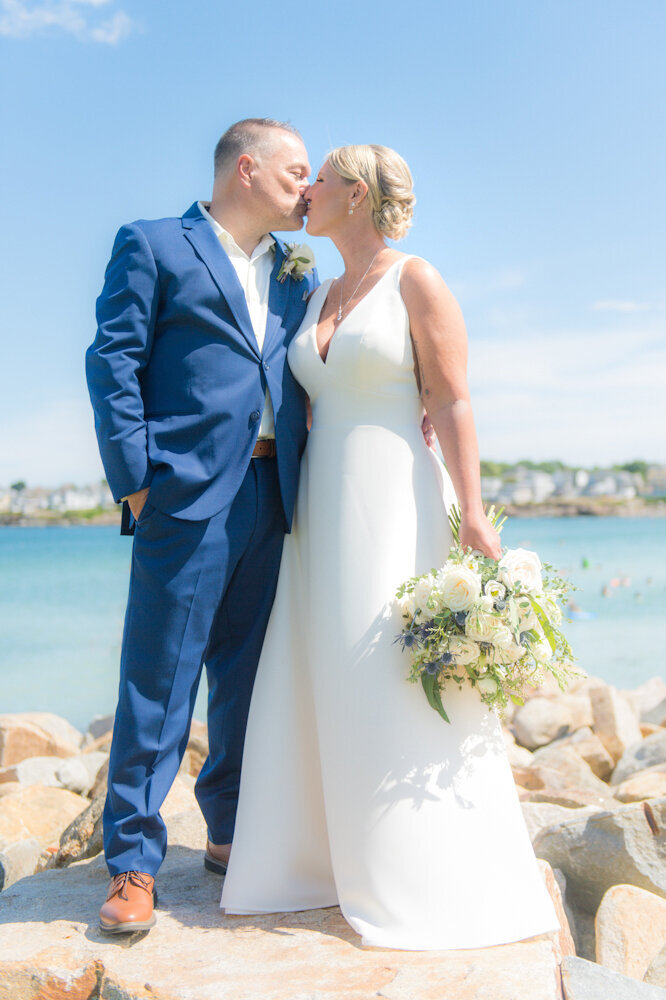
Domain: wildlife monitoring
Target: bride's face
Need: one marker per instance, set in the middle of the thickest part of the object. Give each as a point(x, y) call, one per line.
point(328, 199)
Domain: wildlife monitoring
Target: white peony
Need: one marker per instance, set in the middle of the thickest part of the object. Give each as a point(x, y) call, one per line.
point(459, 588)
point(464, 651)
point(520, 566)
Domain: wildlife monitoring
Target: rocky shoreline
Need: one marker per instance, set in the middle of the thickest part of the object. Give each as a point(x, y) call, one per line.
point(581, 507)
point(590, 770)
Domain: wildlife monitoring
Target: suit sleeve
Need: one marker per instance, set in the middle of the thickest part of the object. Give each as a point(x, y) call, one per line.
point(126, 313)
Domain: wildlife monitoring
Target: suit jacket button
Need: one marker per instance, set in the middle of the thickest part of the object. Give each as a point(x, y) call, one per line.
point(266, 366)
point(254, 416)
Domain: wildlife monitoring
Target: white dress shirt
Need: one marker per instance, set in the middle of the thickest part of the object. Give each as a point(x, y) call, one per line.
point(254, 274)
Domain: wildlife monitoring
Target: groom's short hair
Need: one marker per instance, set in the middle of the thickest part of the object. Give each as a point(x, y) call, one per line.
point(251, 135)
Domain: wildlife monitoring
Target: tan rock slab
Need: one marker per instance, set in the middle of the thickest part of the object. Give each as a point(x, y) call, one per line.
point(36, 734)
point(563, 941)
point(563, 778)
point(639, 756)
point(615, 722)
point(647, 784)
point(195, 952)
point(39, 812)
point(630, 929)
point(587, 745)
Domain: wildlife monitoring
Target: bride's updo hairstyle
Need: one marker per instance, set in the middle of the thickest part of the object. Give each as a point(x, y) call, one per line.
point(390, 185)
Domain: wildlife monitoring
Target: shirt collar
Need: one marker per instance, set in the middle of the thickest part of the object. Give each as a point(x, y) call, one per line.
point(227, 240)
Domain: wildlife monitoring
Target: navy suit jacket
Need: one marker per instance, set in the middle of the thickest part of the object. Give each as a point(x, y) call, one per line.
point(175, 375)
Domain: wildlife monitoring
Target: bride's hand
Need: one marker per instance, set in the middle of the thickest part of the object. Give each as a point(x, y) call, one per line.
point(479, 535)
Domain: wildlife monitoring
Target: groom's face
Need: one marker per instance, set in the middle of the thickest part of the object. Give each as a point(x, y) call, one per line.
point(280, 179)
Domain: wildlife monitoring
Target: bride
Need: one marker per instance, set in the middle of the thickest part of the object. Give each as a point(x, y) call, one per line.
point(354, 792)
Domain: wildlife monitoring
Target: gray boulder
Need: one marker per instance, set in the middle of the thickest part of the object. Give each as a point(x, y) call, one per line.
point(626, 846)
point(78, 774)
point(18, 860)
point(646, 753)
point(33, 771)
point(656, 974)
point(582, 980)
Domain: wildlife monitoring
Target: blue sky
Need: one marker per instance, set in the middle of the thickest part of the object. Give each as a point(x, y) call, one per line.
point(535, 131)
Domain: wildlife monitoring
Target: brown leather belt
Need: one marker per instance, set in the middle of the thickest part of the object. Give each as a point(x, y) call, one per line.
point(264, 448)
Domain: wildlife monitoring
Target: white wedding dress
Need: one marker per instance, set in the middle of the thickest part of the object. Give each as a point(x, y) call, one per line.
point(354, 791)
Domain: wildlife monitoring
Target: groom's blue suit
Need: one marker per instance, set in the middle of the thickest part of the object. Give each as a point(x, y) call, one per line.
point(178, 385)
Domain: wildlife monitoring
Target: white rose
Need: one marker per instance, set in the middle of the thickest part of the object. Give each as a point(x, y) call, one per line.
point(407, 605)
point(495, 589)
point(520, 565)
point(304, 256)
point(459, 588)
point(421, 595)
point(464, 651)
point(541, 650)
point(480, 626)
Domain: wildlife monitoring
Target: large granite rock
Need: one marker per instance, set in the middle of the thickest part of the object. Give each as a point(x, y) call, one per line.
point(36, 734)
point(615, 722)
point(39, 812)
point(630, 930)
point(542, 720)
point(626, 846)
point(49, 941)
point(650, 783)
point(582, 980)
point(561, 777)
point(645, 753)
point(563, 940)
point(539, 816)
point(587, 745)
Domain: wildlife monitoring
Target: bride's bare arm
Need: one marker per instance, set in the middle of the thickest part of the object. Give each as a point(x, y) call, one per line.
point(440, 349)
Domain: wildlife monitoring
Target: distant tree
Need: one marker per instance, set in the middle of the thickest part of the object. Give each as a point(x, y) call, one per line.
point(18, 486)
point(636, 466)
point(494, 468)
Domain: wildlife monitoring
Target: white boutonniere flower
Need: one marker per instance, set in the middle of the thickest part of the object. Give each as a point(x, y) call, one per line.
point(299, 261)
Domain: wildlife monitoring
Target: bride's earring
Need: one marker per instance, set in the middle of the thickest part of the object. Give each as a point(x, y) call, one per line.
point(353, 206)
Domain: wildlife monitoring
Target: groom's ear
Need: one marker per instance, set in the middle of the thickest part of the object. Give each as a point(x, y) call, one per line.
point(245, 168)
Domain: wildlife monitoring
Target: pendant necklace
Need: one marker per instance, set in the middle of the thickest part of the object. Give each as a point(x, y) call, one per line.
point(342, 287)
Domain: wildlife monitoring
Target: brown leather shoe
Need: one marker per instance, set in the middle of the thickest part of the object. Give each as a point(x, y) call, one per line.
point(129, 904)
point(216, 857)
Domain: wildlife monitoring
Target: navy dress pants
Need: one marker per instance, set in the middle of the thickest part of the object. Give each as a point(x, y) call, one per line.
point(200, 592)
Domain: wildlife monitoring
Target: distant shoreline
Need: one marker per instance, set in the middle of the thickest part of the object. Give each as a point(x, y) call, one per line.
point(577, 507)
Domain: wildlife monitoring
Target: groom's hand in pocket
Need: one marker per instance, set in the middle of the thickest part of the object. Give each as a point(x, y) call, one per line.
point(136, 502)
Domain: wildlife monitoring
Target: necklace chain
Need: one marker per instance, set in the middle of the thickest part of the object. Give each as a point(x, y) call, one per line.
point(342, 307)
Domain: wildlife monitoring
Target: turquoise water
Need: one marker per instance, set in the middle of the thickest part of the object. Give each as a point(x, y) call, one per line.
point(63, 592)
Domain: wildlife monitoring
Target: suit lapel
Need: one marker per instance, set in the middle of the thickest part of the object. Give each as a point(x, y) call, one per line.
point(278, 297)
point(200, 234)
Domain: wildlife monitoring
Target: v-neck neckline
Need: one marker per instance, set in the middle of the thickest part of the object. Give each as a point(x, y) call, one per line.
point(350, 313)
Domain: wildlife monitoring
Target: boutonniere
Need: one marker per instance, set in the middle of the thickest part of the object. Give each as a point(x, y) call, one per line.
point(299, 261)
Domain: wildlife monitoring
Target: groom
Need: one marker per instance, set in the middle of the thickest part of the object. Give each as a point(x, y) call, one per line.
point(201, 427)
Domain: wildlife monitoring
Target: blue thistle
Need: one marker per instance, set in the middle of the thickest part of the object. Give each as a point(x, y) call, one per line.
point(407, 640)
point(460, 618)
point(500, 605)
point(432, 667)
point(447, 659)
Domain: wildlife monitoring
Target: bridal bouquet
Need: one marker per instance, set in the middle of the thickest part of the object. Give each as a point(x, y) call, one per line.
point(493, 624)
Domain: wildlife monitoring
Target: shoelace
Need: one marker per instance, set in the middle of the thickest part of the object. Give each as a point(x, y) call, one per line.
point(134, 878)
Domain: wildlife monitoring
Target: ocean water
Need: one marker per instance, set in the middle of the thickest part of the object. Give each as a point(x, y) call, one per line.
point(63, 593)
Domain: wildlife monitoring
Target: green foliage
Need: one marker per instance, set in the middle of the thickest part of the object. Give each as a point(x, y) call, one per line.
point(19, 486)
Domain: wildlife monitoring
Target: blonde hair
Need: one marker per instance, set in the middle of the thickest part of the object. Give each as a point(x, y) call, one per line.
point(390, 185)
